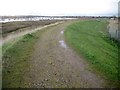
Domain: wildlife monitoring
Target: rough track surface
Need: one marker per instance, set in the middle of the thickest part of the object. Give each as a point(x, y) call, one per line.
point(55, 66)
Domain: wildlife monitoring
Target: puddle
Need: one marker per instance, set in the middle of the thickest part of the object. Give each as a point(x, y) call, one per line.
point(62, 43)
point(62, 32)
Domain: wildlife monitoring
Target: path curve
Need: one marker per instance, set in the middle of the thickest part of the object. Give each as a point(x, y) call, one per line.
point(55, 66)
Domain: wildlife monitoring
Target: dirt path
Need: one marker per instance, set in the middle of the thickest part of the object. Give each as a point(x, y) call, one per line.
point(56, 65)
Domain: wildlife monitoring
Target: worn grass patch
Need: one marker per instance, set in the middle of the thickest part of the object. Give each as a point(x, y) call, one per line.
point(89, 38)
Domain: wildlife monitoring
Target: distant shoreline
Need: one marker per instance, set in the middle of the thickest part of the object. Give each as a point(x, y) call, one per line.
point(38, 18)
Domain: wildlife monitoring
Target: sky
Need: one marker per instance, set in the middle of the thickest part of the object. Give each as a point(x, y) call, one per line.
point(59, 7)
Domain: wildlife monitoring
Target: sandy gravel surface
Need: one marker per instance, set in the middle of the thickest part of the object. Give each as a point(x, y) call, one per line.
point(55, 65)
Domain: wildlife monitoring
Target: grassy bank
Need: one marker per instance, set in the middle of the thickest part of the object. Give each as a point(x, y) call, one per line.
point(89, 38)
point(16, 60)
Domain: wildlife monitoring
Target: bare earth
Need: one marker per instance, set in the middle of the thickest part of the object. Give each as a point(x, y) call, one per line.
point(55, 65)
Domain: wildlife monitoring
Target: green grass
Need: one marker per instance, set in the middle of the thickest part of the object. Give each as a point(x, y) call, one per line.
point(16, 60)
point(8, 45)
point(89, 38)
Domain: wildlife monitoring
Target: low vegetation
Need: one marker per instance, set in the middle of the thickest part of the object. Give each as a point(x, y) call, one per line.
point(89, 38)
point(16, 60)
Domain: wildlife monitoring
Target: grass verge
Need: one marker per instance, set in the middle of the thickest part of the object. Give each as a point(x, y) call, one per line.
point(16, 60)
point(89, 38)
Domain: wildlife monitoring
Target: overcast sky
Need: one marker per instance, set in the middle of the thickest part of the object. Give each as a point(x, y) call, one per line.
point(59, 7)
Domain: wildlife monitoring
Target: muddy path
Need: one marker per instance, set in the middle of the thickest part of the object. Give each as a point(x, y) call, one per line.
point(55, 65)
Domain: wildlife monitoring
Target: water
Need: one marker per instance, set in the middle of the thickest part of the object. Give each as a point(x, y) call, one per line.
point(62, 32)
point(32, 19)
point(62, 43)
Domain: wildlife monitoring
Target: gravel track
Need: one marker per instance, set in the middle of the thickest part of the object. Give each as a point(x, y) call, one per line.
point(55, 65)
